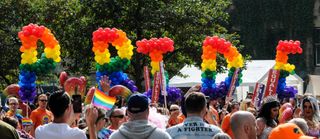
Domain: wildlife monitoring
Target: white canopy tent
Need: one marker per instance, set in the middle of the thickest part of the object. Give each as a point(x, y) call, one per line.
point(314, 85)
point(256, 71)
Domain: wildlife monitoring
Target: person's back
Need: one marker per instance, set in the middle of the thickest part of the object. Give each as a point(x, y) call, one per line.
point(59, 131)
point(138, 126)
point(60, 106)
point(139, 129)
point(193, 126)
point(7, 131)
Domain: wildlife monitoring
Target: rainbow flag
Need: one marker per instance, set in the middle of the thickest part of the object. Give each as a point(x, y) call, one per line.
point(26, 121)
point(102, 100)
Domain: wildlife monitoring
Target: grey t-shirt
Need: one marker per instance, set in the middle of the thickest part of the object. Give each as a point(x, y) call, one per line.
point(193, 128)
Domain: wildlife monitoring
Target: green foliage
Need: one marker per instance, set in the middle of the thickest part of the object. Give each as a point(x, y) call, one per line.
point(72, 22)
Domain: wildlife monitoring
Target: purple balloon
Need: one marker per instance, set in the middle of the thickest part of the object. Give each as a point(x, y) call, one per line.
point(174, 95)
point(130, 85)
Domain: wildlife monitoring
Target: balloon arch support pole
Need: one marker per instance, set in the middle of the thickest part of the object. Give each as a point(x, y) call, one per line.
point(165, 103)
point(27, 114)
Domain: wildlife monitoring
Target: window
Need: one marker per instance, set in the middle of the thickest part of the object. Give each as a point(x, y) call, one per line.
point(316, 39)
point(318, 54)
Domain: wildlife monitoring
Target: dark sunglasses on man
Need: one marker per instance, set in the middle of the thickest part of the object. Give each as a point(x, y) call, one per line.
point(43, 100)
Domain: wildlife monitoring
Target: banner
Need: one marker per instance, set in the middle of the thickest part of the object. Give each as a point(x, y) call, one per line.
point(259, 90)
point(156, 87)
point(255, 93)
point(163, 80)
point(232, 87)
point(272, 83)
point(146, 78)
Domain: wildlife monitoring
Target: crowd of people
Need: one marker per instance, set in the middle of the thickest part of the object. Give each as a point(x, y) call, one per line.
point(196, 116)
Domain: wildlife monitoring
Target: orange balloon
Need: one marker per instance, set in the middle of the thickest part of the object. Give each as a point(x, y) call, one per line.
point(121, 39)
point(156, 56)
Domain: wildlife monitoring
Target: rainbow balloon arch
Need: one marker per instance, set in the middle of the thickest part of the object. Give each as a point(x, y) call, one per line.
point(156, 48)
point(30, 65)
point(283, 49)
point(113, 67)
point(211, 46)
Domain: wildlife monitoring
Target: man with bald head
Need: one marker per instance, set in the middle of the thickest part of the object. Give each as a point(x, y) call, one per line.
point(117, 117)
point(243, 125)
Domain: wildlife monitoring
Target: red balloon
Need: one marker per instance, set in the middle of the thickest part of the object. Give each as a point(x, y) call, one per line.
point(89, 95)
point(12, 90)
point(63, 77)
point(119, 90)
point(72, 83)
point(84, 80)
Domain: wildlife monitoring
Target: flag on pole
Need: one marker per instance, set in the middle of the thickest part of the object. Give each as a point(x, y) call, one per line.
point(156, 87)
point(259, 91)
point(146, 78)
point(272, 83)
point(255, 93)
point(102, 100)
point(163, 80)
point(233, 86)
point(26, 121)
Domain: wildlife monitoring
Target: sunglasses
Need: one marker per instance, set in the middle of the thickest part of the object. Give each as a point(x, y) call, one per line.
point(13, 103)
point(43, 100)
point(173, 110)
point(118, 116)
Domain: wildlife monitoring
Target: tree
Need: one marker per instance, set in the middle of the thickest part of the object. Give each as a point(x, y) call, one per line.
point(65, 21)
point(187, 22)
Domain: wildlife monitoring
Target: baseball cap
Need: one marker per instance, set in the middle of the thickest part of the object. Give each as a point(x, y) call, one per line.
point(138, 103)
point(288, 130)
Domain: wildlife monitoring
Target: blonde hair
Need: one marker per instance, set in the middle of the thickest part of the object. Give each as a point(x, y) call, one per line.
point(12, 98)
point(42, 95)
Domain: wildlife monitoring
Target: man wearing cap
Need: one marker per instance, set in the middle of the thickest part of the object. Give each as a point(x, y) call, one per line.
point(194, 127)
point(138, 126)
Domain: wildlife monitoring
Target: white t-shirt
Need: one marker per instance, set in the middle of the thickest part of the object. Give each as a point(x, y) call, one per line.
point(59, 131)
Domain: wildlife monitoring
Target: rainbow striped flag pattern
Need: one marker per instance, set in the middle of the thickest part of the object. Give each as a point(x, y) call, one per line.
point(26, 121)
point(102, 100)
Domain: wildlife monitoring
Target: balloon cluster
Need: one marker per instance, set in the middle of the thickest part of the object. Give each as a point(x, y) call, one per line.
point(283, 49)
point(11, 90)
point(73, 85)
point(173, 96)
point(89, 95)
point(211, 46)
point(101, 39)
point(30, 64)
point(155, 48)
point(285, 113)
point(113, 67)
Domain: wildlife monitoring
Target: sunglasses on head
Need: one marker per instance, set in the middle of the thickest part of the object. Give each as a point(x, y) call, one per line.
point(13, 103)
point(118, 116)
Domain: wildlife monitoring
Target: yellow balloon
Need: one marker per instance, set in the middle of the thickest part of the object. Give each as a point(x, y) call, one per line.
point(23, 61)
point(155, 66)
